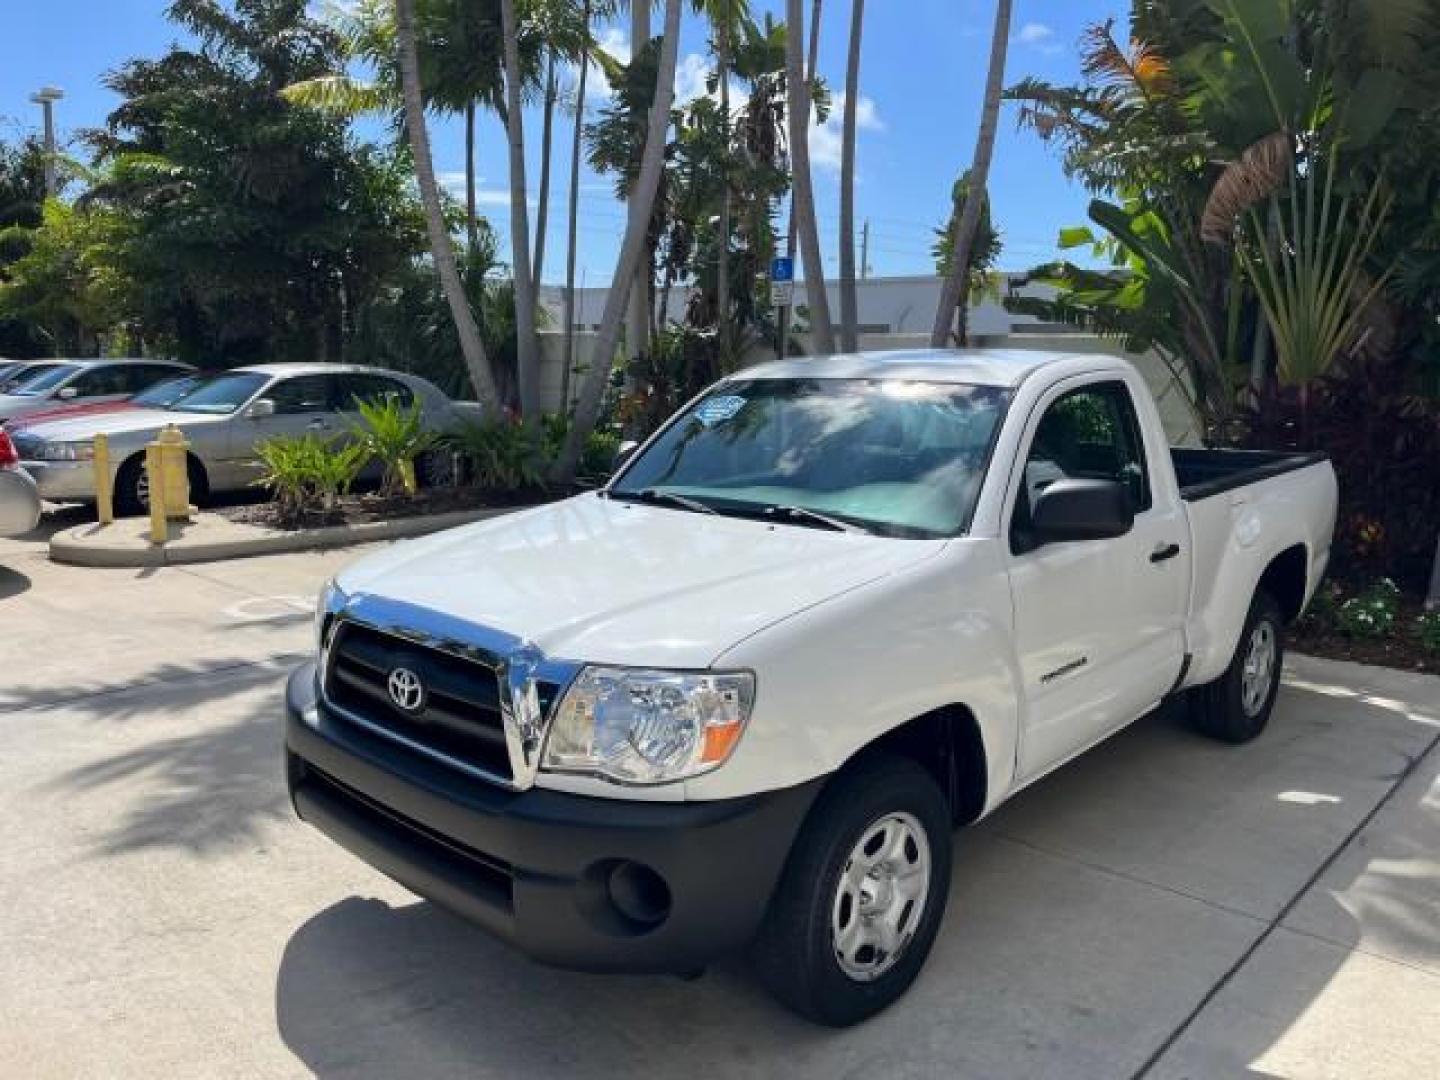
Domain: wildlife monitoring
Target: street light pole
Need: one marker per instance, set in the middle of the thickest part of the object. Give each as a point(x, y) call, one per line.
point(46, 97)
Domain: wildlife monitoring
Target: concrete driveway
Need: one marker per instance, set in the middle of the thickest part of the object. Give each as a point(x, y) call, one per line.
point(1164, 907)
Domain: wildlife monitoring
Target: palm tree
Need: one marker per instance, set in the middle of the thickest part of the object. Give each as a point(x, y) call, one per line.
point(640, 208)
point(574, 222)
point(521, 269)
point(956, 289)
point(441, 247)
point(547, 128)
point(812, 60)
point(637, 331)
point(849, 305)
point(725, 16)
point(822, 332)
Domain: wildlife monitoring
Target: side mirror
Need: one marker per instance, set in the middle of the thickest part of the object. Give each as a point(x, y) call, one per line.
point(260, 408)
point(67, 393)
point(1082, 510)
point(623, 453)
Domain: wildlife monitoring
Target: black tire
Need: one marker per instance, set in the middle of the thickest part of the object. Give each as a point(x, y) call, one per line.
point(131, 497)
point(1232, 708)
point(130, 500)
point(795, 953)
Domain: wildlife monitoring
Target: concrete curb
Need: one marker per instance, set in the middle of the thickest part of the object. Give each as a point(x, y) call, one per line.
point(212, 539)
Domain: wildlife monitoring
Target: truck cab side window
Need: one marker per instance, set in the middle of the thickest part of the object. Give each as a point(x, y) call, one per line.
point(1088, 434)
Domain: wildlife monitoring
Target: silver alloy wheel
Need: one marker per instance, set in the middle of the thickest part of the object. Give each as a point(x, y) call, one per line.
point(1258, 676)
point(142, 488)
point(881, 896)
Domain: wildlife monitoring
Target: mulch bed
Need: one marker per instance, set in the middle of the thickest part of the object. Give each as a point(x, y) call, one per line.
point(1401, 649)
point(371, 506)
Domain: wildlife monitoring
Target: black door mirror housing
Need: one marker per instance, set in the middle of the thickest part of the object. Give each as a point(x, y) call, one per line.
point(1070, 510)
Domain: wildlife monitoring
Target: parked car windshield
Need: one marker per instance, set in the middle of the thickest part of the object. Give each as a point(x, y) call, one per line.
point(166, 393)
point(895, 457)
point(43, 380)
point(221, 394)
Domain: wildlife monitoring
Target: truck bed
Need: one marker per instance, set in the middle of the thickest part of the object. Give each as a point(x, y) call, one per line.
point(1203, 473)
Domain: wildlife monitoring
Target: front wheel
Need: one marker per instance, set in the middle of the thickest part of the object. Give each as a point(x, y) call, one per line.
point(862, 896)
point(1236, 707)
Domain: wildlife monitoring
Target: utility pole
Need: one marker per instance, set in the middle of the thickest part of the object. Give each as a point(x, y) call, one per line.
point(46, 97)
point(865, 250)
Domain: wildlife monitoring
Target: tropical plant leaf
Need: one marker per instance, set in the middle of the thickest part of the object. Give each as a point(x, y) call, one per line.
point(1262, 170)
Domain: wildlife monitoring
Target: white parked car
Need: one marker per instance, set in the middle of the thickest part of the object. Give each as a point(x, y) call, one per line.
point(225, 417)
point(833, 609)
point(49, 383)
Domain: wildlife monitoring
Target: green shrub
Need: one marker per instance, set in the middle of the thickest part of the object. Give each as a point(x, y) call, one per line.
point(395, 436)
point(500, 455)
point(1427, 630)
point(1372, 613)
point(306, 474)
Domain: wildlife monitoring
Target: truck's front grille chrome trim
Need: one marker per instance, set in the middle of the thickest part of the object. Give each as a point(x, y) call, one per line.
point(528, 682)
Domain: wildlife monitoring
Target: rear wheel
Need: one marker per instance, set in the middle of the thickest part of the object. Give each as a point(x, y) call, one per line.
point(862, 896)
point(1236, 707)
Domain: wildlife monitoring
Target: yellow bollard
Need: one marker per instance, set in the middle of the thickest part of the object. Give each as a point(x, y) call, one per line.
point(155, 470)
point(104, 486)
point(174, 448)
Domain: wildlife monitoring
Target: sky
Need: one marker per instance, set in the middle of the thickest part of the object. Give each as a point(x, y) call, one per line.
point(922, 79)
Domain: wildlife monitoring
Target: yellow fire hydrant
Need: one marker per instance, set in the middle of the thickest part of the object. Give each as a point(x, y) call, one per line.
point(166, 465)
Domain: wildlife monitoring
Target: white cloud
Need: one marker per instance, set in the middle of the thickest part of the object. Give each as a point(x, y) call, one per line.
point(1038, 36)
point(453, 181)
point(826, 139)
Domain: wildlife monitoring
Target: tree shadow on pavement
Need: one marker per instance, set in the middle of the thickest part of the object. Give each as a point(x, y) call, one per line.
point(206, 784)
point(1054, 961)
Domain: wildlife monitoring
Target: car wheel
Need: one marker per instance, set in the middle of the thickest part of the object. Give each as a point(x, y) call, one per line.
point(437, 469)
point(132, 488)
point(862, 896)
point(1236, 707)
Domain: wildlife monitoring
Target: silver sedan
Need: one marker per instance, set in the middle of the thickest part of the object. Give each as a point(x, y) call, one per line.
point(225, 417)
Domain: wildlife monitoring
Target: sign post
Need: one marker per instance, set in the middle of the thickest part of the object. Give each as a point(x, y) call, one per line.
point(782, 296)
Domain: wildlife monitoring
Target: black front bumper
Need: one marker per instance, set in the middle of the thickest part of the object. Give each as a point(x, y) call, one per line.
point(544, 869)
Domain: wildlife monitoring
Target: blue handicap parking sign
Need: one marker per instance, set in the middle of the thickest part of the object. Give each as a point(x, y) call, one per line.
point(782, 269)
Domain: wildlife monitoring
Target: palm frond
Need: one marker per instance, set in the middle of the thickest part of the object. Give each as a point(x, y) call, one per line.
point(1261, 171)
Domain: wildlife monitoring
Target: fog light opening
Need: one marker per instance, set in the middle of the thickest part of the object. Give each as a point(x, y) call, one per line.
point(639, 894)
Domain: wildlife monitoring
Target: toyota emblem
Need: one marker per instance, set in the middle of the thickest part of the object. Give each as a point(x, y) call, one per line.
point(406, 690)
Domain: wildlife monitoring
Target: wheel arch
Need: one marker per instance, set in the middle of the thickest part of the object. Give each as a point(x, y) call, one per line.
point(947, 742)
point(1286, 578)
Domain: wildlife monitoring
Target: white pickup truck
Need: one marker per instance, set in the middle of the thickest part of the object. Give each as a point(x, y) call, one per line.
point(832, 610)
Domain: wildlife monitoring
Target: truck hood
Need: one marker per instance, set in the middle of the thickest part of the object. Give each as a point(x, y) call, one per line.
point(597, 580)
point(131, 420)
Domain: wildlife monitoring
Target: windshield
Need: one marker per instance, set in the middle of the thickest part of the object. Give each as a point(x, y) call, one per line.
point(168, 392)
point(43, 380)
point(220, 394)
point(897, 457)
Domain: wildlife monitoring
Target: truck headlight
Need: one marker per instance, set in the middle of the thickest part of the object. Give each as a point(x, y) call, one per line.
point(648, 727)
point(66, 451)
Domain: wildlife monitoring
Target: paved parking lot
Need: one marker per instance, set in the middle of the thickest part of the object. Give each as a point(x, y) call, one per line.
point(1164, 907)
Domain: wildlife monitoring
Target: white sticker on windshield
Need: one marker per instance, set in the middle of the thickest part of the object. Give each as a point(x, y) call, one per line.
point(719, 409)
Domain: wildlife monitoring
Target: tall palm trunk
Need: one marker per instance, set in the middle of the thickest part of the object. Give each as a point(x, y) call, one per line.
point(722, 260)
point(638, 319)
point(849, 301)
point(822, 333)
point(812, 59)
point(632, 250)
point(472, 220)
point(574, 222)
point(957, 286)
point(527, 346)
point(472, 348)
point(542, 211)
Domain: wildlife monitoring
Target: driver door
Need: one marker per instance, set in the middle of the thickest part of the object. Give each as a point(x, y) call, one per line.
point(304, 405)
point(1099, 624)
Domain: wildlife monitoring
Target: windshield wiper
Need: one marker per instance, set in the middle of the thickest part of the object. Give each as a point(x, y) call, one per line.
point(813, 517)
point(660, 495)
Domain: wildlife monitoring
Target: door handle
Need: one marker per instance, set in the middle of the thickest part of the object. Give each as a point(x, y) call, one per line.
point(1164, 552)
